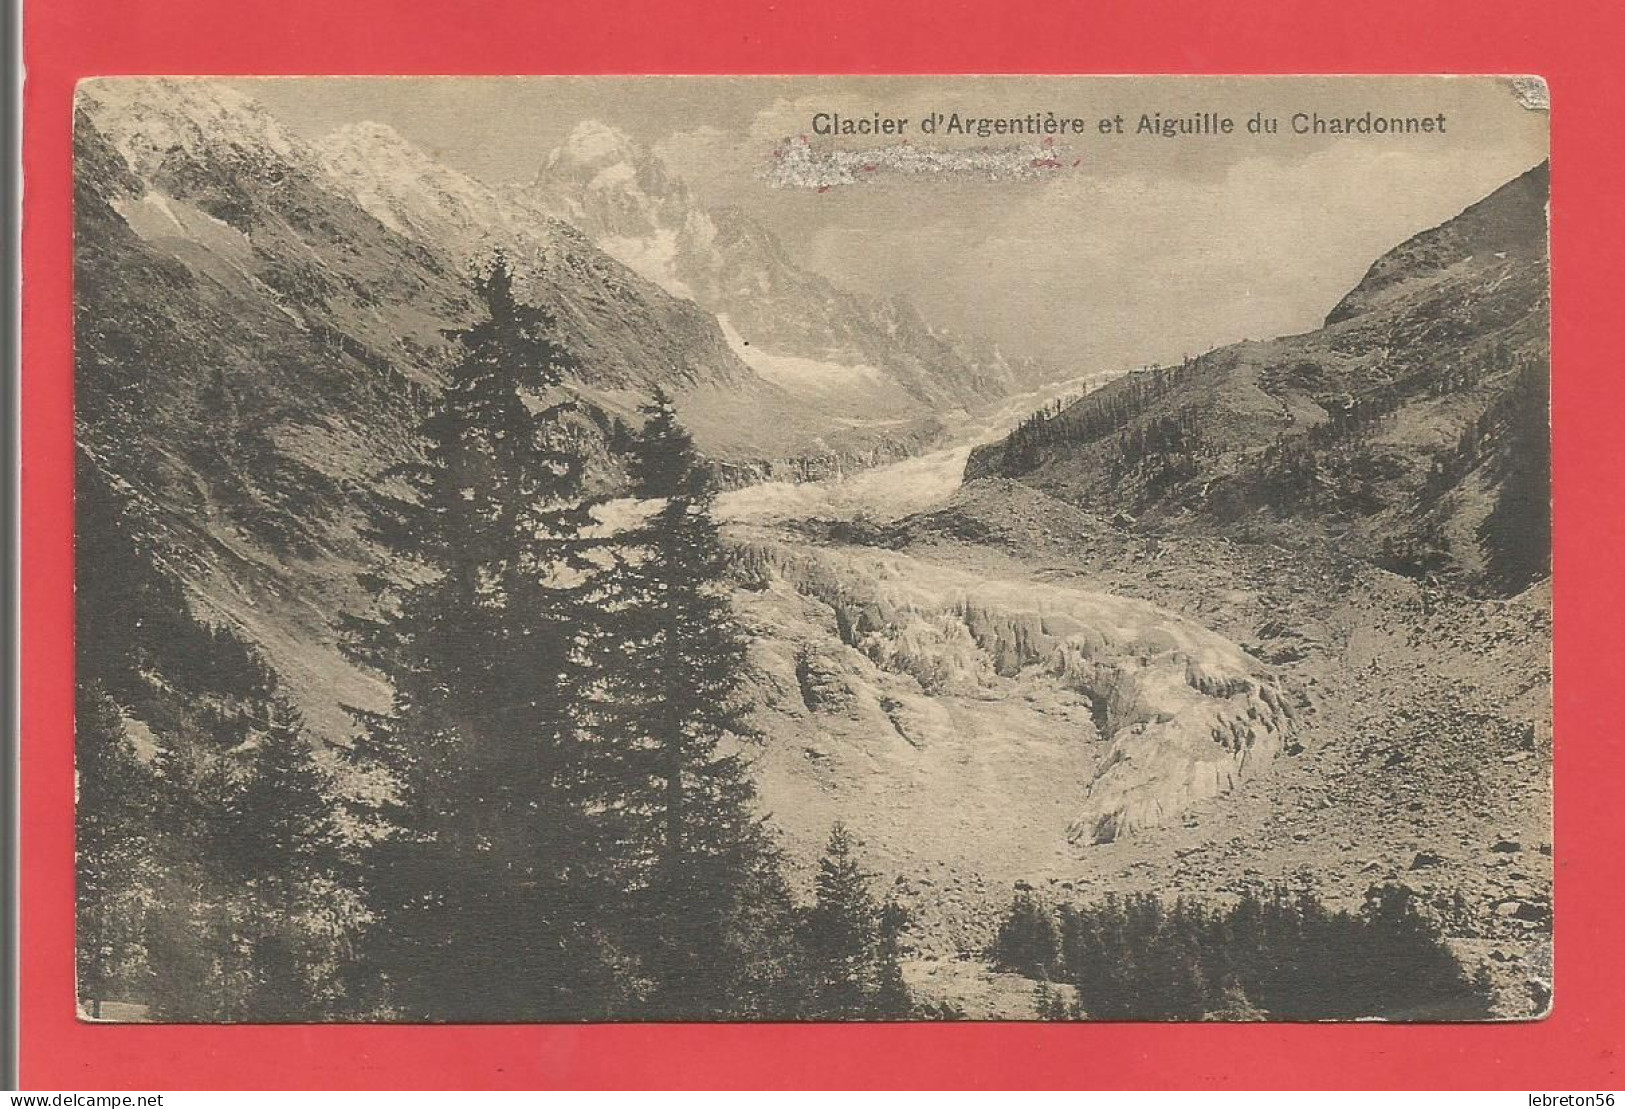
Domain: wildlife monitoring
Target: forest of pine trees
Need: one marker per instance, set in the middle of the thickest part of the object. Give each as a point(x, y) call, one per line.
point(1333, 467)
point(567, 829)
point(1103, 414)
point(1272, 954)
point(211, 878)
point(1338, 468)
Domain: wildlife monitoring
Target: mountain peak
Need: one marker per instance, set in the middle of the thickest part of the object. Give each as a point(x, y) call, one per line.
point(368, 135)
point(1508, 223)
point(406, 189)
point(593, 144)
point(608, 184)
point(374, 151)
point(147, 119)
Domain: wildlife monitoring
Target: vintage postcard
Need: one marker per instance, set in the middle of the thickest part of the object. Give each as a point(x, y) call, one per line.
point(813, 549)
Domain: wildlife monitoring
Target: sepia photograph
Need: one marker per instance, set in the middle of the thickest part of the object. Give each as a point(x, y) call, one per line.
point(656, 549)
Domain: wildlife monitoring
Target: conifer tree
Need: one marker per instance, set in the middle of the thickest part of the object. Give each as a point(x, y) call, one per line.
point(840, 929)
point(492, 881)
point(1027, 942)
point(710, 913)
point(282, 838)
point(852, 948)
point(891, 998)
point(285, 812)
point(113, 844)
point(183, 841)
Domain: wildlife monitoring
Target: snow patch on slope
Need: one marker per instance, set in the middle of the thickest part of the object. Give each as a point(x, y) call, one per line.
point(808, 375)
point(651, 257)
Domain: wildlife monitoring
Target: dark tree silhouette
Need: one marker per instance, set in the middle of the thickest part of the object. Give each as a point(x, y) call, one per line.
point(493, 880)
point(710, 916)
point(1278, 954)
point(281, 835)
point(852, 950)
point(114, 844)
point(1027, 942)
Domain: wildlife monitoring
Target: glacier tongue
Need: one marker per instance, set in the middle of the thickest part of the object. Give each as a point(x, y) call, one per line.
point(1185, 714)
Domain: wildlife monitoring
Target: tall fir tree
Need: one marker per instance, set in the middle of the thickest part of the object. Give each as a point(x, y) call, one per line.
point(711, 916)
point(284, 812)
point(1027, 942)
point(493, 880)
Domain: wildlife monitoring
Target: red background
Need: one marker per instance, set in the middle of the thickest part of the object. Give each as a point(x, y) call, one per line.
point(1573, 44)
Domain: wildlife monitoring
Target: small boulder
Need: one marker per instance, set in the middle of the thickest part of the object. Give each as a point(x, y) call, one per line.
point(1528, 911)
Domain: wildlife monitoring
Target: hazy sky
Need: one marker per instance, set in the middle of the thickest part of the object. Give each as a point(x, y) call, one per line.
point(1148, 248)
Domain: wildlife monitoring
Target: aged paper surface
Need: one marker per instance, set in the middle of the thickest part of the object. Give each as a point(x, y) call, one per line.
point(602, 549)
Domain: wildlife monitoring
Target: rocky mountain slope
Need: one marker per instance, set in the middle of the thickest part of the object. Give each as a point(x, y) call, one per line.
point(328, 225)
point(1363, 509)
point(1248, 494)
point(838, 373)
point(796, 328)
point(604, 304)
point(1411, 428)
